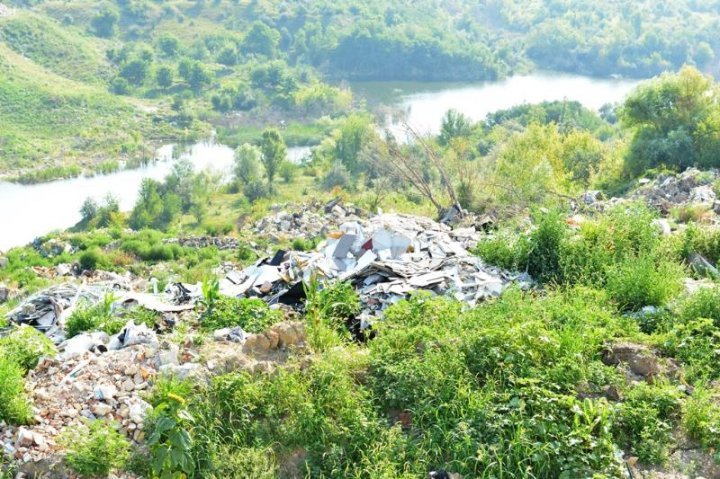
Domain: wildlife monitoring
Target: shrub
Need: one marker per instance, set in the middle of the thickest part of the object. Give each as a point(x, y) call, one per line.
point(545, 252)
point(251, 314)
point(25, 346)
point(97, 317)
point(256, 190)
point(95, 448)
point(304, 244)
point(506, 249)
point(704, 303)
point(645, 421)
point(91, 259)
point(169, 439)
point(696, 344)
point(641, 282)
point(701, 417)
point(14, 405)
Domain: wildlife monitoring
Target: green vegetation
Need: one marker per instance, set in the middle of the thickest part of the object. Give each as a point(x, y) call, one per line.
point(25, 346)
point(95, 448)
point(251, 314)
point(14, 405)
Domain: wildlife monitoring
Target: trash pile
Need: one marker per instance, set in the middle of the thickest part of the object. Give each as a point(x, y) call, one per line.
point(68, 389)
point(205, 241)
point(386, 258)
point(310, 221)
point(689, 187)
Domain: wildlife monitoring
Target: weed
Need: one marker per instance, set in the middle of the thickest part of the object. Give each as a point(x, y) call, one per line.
point(25, 346)
point(701, 417)
point(14, 405)
point(94, 318)
point(170, 441)
point(95, 448)
point(251, 314)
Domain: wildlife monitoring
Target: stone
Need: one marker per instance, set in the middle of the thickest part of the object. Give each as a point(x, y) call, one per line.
point(257, 343)
point(102, 409)
point(4, 293)
point(128, 385)
point(105, 392)
point(168, 356)
point(638, 357)
point(289, 334)
point(25, 438)
point(4, 262)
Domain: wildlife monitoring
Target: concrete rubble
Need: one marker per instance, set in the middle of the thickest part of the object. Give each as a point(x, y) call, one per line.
point(385, 257)
point(226, 243)
point(692, 187)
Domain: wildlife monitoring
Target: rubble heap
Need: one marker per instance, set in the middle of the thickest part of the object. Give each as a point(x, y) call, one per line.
point(689, 187)
point(225, 243)
point(308, 222)
point(385, 257)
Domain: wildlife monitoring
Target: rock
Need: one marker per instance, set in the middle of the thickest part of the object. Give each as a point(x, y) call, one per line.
point(168, 356)
point(185, 371)
point(25, 438)
point(257, 343)
point(663, 226)
point(128, 385)
point(289, 334)
point(611, 393)
point(39, 440)
point(639, 358)
point(138, 411)
point(63, 269)
point(4, 262)
point(105, 392)
point(102, 409)
point(4, 293)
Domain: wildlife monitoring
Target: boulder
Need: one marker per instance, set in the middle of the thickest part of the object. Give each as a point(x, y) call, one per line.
point(638, 357)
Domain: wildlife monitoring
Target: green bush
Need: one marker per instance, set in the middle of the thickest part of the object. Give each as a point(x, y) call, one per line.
point(696, 344)
point(14, 405)
point(95, 448)
point(251, 314)
point(97, 317)
point(701, 417)
point(704, 303)
point(641, 282)
point(545, 255)
point(25, 346)
point(646, 419)
point(92, 259)
point(506, 249)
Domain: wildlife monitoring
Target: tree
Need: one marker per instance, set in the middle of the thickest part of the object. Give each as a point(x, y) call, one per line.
point(104, 22)
point(120, 86)
point(169, 45)
point(261, 40)
point(354, 134)
point(454, 125)
point(247, 163)
point(135, 71)
point(89, 210)
point(149, 205)
point(194, 73)
point(228, 56)
point(675, 121)
point(273, 151)
point(164, 77)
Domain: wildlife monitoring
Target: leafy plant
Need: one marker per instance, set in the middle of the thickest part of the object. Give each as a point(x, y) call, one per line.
point(170, 441)
point(95, 448)
point(25, 346)
point(99, 317)
point(251, 314)
point(14, 404)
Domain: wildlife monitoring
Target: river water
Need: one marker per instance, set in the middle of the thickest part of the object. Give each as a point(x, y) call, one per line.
point(29, 211)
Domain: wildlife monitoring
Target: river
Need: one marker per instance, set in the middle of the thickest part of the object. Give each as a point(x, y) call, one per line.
point(29, 211)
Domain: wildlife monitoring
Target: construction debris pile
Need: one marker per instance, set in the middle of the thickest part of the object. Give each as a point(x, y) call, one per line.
point(386, 258)
point(225, 243)
point(689, 187)
point(311, 221)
